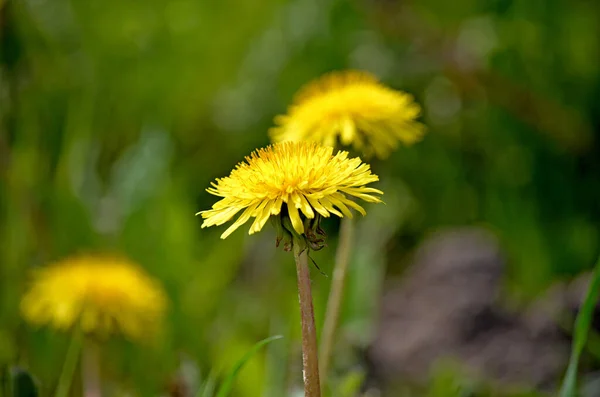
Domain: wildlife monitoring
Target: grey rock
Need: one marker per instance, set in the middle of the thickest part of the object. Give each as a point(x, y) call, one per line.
point(447, 305)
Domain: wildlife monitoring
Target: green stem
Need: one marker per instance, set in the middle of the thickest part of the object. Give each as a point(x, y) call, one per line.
point(583, 323)
point(312, 387)
point(336, 294)
point(90, 369)
point(70, 364)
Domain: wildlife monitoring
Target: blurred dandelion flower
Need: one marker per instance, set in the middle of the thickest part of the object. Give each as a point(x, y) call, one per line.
point(354, 108)
point(291, 179)
point(102, 295)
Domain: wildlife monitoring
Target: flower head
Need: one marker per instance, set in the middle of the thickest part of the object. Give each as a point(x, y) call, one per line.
point(103, 295)
point(354, 108)
point(298, 179)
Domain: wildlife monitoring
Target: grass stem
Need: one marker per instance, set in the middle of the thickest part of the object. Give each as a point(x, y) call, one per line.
point(583, 323)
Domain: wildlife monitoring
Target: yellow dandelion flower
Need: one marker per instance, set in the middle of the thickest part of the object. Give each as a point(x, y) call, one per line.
point(295, 178)
point(102, 295)
point(354, 108)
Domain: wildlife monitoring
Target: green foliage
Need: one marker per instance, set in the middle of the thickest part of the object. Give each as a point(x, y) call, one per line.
point(207, 388)
point(583, 324)
point(350, 385)
point(227, 384)
point(116, 115)
point(448, 380)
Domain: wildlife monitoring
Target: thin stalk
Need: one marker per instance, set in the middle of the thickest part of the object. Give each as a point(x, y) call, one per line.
point(336, 294)
point(312, 386)
point(91, 370)
point(583, 323)
point(70, 364)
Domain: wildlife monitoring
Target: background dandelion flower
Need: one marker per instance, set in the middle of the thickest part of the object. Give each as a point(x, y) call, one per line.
point(304, 178)
point(104, 295)
point(354, 108)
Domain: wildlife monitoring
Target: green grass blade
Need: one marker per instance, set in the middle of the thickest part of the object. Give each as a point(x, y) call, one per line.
point(207, 388)
point(227, 384)
point(582, 328)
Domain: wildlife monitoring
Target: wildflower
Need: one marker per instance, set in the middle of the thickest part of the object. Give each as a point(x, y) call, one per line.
point(102, 295)
point(291, 180)
point(354, 108)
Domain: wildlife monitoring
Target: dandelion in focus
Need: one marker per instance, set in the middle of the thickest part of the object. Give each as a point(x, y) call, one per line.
point(100, 295)
point(294, 184)
point(299, 181)
point(352, 108)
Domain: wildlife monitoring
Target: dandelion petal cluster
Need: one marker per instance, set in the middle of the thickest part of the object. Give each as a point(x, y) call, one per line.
point(305, 176)
point(102, 295)
point(352, 108)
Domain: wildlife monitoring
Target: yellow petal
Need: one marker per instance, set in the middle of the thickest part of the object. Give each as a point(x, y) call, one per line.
point(338, 203)
point(351, 203)
point(316, 205)
point(295, 218)
point(260, 220)
point(329, 206)
point(305, 207)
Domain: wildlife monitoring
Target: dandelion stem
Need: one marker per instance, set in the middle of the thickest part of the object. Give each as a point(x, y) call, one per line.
point(91, 370)
point(336, 294)
point(312, 387)
point(70, 364)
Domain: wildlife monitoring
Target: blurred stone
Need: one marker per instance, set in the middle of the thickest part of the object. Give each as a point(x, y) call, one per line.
point(447, 306)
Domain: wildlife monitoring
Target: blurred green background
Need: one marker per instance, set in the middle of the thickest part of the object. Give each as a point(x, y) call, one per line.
point(116, 115)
